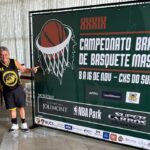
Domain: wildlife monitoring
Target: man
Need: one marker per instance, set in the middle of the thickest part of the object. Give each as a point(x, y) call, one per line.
point(13, 93)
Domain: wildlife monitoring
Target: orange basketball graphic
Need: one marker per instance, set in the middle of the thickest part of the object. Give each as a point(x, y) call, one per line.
point(52, 34)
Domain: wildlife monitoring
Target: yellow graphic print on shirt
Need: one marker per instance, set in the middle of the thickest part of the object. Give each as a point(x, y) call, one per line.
point(10, 78)
point(2, 69)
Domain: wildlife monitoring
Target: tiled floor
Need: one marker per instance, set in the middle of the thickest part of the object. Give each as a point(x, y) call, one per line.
point(41, 138)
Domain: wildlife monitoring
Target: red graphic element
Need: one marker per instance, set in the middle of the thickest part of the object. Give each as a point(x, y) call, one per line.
point(52, 34)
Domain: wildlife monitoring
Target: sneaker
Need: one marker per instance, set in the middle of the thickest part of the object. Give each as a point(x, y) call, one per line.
point(14, 127)
point(24, 127)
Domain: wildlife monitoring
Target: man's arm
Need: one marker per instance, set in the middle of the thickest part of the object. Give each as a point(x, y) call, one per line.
point(24, 69)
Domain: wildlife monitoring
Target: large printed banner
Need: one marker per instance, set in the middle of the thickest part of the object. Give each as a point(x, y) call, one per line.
point(94, 76)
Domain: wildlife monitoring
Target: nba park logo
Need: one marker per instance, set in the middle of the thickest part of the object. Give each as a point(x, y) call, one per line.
point(55, 44)
point(87, 112)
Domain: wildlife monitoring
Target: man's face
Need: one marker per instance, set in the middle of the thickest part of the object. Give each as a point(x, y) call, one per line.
point(4, 57)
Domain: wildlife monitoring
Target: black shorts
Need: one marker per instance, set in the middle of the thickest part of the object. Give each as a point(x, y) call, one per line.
point(15, 98)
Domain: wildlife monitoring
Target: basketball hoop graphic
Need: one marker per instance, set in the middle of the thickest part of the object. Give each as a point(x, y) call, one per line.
point(53, 42)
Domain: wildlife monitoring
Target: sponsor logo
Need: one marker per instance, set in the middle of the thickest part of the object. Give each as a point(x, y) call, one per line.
point(111, 95)
point(133, 97)
point(87, 112)
point(148, 145)
point(98, 132)
point(113, 137)
point(68, 127)
point(60, 125)
point(106, 135)
point(75, 110)
point(87, 131)
point(130, 140)
point(77, 128)
point(120, 138)
point(142, 143)
point(92, 93)
point(54, 107)
point(44, 122)
point(49, 123)
point(37, 120)
point(128, 118)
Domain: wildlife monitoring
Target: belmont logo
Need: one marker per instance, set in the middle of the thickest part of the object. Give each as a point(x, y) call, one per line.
point(128, 118)
point(87, 112)
point(54, 107)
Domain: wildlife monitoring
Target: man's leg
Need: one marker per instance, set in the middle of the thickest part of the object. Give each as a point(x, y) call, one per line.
point(23, 116)
point(13, 115)
point(22, 112)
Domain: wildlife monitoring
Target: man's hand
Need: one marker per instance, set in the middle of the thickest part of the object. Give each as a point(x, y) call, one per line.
point(35, 69)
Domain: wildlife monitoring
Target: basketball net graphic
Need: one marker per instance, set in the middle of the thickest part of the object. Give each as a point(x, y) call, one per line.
point(56, 56)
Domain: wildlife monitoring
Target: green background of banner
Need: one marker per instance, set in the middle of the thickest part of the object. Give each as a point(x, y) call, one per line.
point(119, 19)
